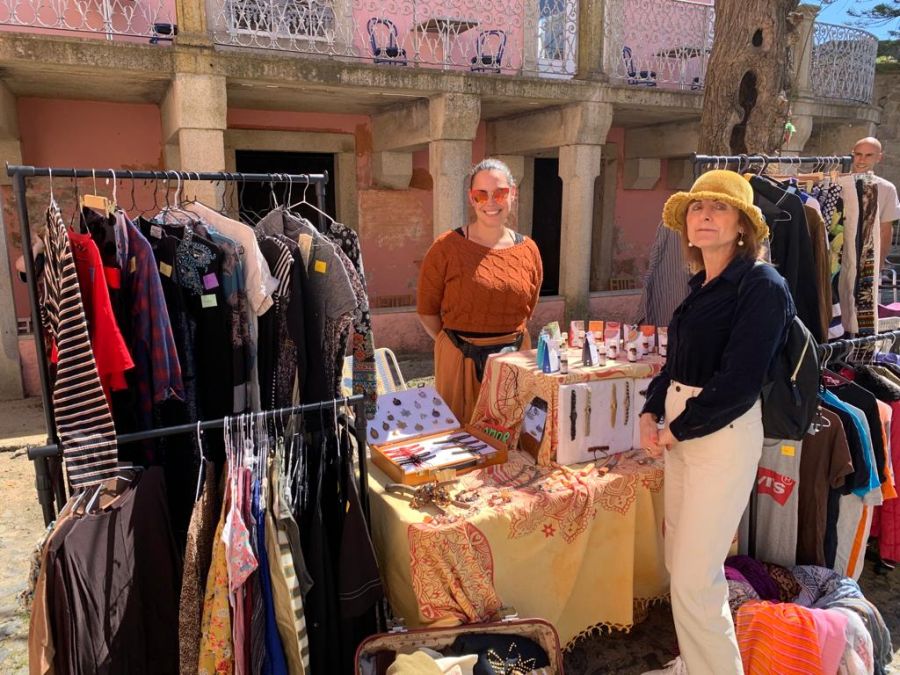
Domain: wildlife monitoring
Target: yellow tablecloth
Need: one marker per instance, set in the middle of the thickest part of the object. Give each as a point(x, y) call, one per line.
point(512, 380)
point(573, 545)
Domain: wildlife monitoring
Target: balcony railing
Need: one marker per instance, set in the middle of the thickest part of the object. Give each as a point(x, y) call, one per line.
point(843, 63)
point(152, 20)
point(532, 37)
point(658, 43)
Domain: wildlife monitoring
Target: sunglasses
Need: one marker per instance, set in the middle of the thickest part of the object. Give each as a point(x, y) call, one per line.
point(482, 196)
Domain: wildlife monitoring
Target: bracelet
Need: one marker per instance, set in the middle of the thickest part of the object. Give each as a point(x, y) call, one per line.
point(587, 411)
point(613, 406)
point(573, 415)
point(627, 402)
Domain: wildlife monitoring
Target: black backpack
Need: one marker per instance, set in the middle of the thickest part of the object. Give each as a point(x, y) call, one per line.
point(790, 395)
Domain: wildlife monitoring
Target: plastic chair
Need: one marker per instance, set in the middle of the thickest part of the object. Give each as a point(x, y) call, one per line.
point(387, 373)
point(489, 62)
point(646, 78)
point(392, 54)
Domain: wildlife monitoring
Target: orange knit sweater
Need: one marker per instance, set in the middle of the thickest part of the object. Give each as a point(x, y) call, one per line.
point(477, 289)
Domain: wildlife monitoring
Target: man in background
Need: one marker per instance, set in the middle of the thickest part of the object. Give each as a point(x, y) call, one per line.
point(867, 153)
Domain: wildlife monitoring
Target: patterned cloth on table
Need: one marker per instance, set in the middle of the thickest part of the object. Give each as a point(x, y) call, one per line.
point(788, 586)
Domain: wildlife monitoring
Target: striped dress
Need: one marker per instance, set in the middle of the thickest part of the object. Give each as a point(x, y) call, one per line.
point(83, 420)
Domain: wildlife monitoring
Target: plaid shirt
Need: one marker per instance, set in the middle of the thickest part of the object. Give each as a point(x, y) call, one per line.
point(157, 370)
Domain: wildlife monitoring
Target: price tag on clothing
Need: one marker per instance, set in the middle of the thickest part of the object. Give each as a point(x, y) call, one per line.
point(156, 231)
point(132, 264)
point(321, 266)
point(208, 300)
point(165, 269)
point(787, 450)
point(210, 281)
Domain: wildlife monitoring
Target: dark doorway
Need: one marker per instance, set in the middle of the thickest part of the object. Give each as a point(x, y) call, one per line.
point(256, 198)
point(547, 219)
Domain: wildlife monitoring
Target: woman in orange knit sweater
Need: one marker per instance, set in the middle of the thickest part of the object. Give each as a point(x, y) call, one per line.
point(478, 286)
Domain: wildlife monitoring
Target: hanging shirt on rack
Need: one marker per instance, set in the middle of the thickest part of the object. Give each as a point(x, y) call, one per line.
point(328, 303)
point(83, 420)
point(364, 377)
point(859, 255)
point(825, 463)
point(110, 352)
point(259, 282)
point(791, 248)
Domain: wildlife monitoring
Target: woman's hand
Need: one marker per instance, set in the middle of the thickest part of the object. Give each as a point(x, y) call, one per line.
point(650, 434)
point(666, 439)
point(653, 439)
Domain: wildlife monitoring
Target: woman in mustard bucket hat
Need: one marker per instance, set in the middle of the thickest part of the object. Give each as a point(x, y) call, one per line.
point(703, 410)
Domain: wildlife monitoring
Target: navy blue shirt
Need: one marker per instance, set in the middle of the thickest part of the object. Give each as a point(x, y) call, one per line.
point(723, 341)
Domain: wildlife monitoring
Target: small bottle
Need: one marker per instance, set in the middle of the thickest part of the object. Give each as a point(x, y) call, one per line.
point(564, 361)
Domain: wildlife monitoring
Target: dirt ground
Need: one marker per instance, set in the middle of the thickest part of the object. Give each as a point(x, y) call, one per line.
point(649, 645)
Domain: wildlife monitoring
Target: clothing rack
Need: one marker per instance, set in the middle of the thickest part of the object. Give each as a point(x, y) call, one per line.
point(744, 162)
point(840, 345)
point(47, 465)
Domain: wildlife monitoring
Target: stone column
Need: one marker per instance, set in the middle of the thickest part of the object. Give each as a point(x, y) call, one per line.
point(194, 113)
point(453, 122)
point(11, 150)
point(590, 40)
point(579, 166)
point(804, 49)
point(448, 163)
point(192, 24)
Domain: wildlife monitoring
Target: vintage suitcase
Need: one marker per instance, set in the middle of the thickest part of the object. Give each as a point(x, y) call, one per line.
point(401, 641)
point(415, 438)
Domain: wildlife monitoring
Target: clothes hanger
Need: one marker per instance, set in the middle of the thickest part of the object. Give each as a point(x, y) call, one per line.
point(304, 202)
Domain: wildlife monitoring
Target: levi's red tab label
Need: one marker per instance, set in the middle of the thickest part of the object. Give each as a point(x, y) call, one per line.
point(778, 486)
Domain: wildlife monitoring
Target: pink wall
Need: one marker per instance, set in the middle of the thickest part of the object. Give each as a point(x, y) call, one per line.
point(83, 134)
point(637, 216)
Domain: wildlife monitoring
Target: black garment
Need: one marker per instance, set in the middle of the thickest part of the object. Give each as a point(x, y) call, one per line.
point(857, 396)
point(723, 341)
point(117, 576)
point(872, 381)
point(500, 652)
point(791, 248)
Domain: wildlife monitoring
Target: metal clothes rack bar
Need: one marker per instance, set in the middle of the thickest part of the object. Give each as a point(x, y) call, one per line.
point(48, 469)
point(746, 161)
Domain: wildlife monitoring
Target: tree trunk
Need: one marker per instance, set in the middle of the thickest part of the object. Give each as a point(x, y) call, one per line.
point(749, 77)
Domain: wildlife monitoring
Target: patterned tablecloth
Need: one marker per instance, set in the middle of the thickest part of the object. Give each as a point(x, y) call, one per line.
point(580, 546)
point(512, 380)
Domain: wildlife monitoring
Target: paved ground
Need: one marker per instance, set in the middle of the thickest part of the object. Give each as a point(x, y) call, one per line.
point(649, 645)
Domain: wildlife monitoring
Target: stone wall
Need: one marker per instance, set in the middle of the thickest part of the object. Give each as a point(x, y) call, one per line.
point(887, 96)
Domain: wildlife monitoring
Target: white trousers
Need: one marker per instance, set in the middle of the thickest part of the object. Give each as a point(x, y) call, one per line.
point(708, 483)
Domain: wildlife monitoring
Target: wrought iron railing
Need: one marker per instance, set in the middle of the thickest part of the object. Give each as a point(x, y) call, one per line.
point(658, 43)
point(153, 20)
point(843, 63)
point(536, 37)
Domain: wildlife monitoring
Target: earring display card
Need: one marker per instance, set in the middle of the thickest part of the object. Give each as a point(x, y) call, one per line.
point(407, 414)
point(610, 428)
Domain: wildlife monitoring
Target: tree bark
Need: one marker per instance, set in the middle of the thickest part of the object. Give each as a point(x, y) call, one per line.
point(749, 77)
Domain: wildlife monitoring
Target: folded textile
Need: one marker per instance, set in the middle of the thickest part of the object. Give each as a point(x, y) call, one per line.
point(755, 573)
point(739, 593)
point(858, 656)
point(882, 650)
point(788, 586)
point(779, 638)
point(813, 580)
point(500, 652)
